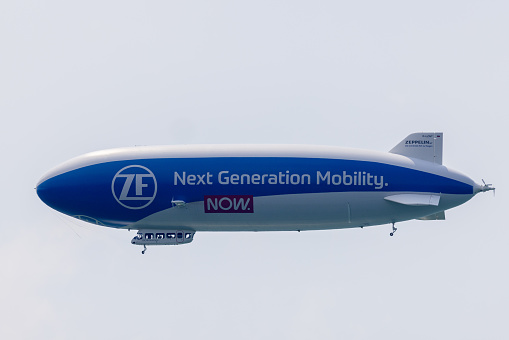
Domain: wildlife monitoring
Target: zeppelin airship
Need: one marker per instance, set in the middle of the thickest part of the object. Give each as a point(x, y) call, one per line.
point(168, 193)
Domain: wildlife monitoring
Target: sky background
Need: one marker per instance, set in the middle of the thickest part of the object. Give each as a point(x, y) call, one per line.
point(77, 77)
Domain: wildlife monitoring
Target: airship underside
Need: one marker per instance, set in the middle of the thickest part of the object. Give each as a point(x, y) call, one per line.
point(170, 192)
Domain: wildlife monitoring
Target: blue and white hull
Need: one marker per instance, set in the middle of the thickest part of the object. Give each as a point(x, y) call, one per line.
point(257, 187)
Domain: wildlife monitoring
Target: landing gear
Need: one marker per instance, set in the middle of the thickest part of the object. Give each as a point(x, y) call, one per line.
point(393, 229)
point(145, 249)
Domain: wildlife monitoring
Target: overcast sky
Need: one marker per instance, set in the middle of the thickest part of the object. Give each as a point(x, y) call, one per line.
point(82, 76)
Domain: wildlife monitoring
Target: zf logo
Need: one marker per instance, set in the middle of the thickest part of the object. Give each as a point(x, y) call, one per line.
point(134, 187)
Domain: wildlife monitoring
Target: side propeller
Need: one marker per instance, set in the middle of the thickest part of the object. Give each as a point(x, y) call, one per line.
point(487, 187)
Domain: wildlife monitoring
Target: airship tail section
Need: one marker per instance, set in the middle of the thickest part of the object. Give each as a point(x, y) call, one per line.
point(427, 146)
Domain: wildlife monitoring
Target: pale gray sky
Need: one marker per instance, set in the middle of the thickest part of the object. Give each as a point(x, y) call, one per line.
point(81, 77)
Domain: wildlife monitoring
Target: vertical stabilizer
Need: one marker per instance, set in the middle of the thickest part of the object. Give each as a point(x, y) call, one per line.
point(422, 145)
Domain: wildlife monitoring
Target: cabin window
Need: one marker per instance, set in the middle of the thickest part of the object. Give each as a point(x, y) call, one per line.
point(170, 235)
point(149, 236)
point(159, 236)
point(179, 235)
point(188, 235)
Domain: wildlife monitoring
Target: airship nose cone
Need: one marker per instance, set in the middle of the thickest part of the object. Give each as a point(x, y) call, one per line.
point(48, 193)
point(56, 191)
point(39, 189)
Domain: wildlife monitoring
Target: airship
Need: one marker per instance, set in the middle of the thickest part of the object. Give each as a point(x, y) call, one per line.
point(168, 193)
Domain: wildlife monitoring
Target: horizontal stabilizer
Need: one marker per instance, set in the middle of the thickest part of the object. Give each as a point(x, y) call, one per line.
point(414, 199)
point(427, 146)
point(434, 217)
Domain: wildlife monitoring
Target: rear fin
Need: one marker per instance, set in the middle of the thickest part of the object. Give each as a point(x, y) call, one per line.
point(427, 146)
point(417, 200)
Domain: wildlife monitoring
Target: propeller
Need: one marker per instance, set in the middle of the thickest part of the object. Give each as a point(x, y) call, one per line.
point(487, 187)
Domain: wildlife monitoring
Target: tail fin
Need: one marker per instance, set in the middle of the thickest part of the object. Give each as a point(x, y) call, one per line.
point(422, 145)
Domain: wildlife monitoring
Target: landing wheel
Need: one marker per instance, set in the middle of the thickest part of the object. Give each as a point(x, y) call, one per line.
point(393, 229)
point(144, 249)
